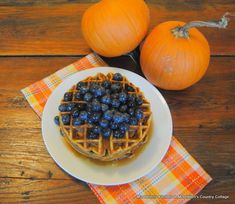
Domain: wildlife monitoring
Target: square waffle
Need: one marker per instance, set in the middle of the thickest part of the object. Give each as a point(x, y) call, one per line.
point(112, 146)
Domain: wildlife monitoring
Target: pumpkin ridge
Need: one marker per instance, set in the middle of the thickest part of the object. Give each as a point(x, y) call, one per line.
point(132, 27)
point(203, 47)
point(90, 28)
point(115, 44)
point(173, 57)
point(164, 49)
point(194, 60)
point(163, 44)
point(200, 60)
point(152, 45)
point(127, 15)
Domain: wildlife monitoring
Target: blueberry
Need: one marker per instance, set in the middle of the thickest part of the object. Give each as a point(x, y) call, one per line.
point(78, 96)
point(129, 88)
point(108, 115)
point(131, 111)
point(113, 125)
point(87, 97)
point(118, 134)
point(117, 77)
point(108, 91)
point(106, 99)
point(139, 100)
point(126, 117)
point(113, 110)
point(95, 117)
point(116, 87)
point(83, 115)
point(89, 113)
point(118, 117)
point(139, 114)
point(80, 84)
point(123, 108)
point(104, 107)
point(106, 84)
point(81, 106)
point(84, 89)
point(75, 113)
point(100, 91)
point(57, 120)
point(106, 132)
point(96, 106)
point(96, 129)
point(68, 96)
point(131, 104)
point(77, 122)
point(95, 100)
point(90, 121)
point(104, 123)
point(124, 127)
point(123, 97)
point(115, 96)
point(133, 121)
point(70, 106)
point(97, 90)
point(89, 107)
point(66, 119)
point(115, 103)
point(92, 135)
point(62, 108)
point(131, 98)
point(93, 88)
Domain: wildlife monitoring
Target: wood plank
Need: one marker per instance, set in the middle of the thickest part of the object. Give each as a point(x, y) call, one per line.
point(204, 122)
point(57, 29)
point(23, 153)
point(34, 166)
point(44, 191)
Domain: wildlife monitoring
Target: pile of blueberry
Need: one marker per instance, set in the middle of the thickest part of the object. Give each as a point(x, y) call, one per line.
point(108, 107)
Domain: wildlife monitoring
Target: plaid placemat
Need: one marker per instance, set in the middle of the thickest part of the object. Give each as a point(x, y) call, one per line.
point(177, 179)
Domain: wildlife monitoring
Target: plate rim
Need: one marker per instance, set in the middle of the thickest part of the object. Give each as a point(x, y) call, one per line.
point(156, 91)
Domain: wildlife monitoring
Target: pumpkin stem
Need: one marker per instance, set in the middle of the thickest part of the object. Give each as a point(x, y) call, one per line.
point(182, 31)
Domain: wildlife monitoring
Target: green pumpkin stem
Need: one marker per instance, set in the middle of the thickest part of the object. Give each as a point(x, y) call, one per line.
point(182, 31)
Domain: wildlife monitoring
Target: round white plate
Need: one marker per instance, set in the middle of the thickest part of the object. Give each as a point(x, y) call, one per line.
point(115, 173)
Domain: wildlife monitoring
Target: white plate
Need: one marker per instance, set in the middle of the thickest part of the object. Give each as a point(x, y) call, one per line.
point(116, 173)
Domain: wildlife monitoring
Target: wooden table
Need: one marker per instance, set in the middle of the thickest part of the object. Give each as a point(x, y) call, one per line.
point(39, 37)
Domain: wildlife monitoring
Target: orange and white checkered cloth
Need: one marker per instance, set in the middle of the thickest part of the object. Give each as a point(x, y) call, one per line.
point(177, 179)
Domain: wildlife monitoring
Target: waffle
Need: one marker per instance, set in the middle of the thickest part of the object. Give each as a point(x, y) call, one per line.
point(112, 148)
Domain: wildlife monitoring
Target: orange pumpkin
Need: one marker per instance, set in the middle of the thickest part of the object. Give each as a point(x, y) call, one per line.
point(171, 61)
point(115, 27)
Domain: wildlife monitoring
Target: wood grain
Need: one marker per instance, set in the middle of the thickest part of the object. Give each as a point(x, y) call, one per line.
point(44, 191)
point(53, 28)
point(203, 115)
